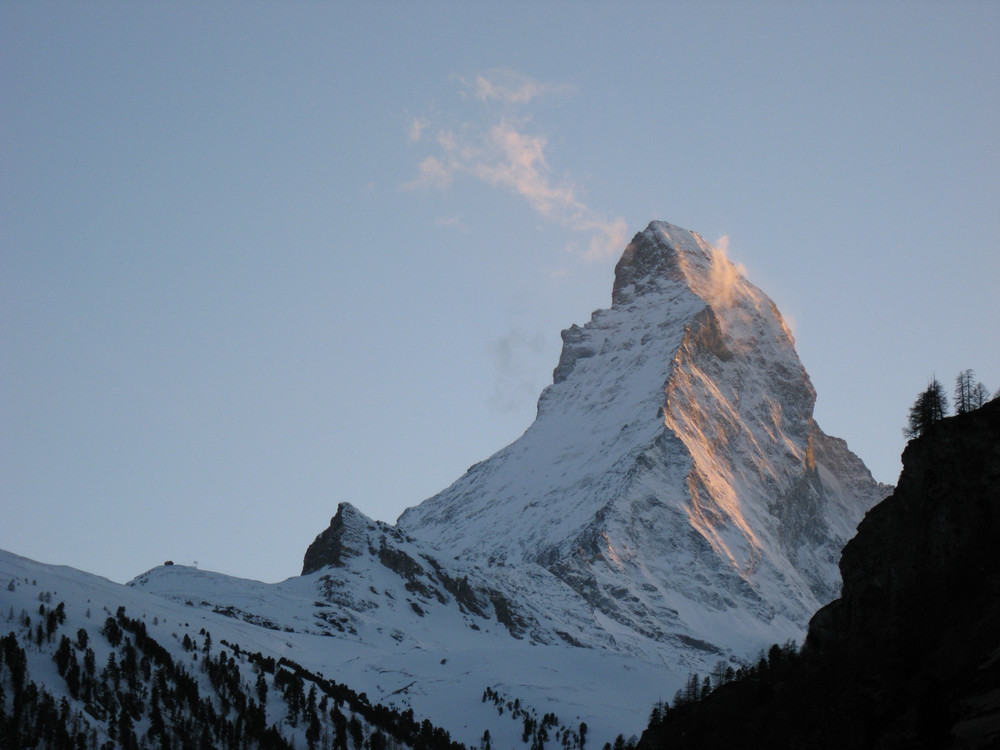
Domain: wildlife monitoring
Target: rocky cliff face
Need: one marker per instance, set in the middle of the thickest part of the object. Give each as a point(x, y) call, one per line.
point(674, 491)
point(343, 538)
point(919, 616)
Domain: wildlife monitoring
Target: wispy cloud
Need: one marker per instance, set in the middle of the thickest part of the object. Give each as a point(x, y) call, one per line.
point(511, 87)
point(450, 221)
point(501, 151)
point(432, 173)
point(417, 127)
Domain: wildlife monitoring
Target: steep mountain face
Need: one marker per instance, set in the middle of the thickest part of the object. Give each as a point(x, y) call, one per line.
point(672, 505)
point(909, 655)
point(674, 479)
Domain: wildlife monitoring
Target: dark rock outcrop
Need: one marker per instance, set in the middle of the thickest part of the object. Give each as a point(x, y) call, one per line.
point(909, 655)
point(344, 537)
point(924, 561)
point(648, 260)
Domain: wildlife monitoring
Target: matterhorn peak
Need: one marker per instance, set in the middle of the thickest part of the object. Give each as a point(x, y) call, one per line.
point(654, 256)
point(664, 253)
point(677, 435)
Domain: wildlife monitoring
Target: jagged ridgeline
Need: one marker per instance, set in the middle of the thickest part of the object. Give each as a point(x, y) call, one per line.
point(672, 505)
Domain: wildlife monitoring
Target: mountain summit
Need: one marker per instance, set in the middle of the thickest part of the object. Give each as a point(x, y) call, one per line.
point(674, 500)
point(674, 478)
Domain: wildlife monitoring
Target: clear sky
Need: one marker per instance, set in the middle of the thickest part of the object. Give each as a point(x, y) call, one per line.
point(260, 258)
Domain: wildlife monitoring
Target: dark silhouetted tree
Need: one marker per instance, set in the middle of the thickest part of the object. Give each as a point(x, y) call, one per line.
point(262, 688)
point(62, 655)
point(931, 406)
point(963, 392)
point(313, 731)
point(656, 715)
point(980, 395)
point(356, 731)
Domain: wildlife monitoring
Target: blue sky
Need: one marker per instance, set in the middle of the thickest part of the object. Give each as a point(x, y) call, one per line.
point(260, 258)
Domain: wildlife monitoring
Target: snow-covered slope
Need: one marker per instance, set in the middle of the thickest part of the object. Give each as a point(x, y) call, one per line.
point(673, 505)
point(438, 669)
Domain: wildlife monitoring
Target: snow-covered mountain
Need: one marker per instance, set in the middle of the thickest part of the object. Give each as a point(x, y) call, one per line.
point(673, 501)
point(674, 479)
point(673, 505)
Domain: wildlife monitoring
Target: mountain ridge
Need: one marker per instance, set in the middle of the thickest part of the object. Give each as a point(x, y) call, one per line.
point(673, 498)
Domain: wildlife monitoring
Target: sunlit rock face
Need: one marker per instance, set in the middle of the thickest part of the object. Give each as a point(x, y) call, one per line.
point(674, 485)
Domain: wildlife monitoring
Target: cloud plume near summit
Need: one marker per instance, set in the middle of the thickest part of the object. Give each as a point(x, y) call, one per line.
point(500, 150)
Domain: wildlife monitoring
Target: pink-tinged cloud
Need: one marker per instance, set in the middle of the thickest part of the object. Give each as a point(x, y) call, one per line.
point(509, 158)
point(725, 277)
point(504, 154)
point(450, 221)
point(432, 173)
point(518, 164)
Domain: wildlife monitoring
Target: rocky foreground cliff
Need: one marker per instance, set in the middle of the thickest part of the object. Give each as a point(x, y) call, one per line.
point(909, 655)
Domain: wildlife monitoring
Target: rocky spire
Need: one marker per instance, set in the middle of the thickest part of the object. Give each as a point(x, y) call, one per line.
point(649, 259)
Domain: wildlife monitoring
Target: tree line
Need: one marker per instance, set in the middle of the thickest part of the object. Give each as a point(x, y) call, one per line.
point(145, 697)
point(931, 405)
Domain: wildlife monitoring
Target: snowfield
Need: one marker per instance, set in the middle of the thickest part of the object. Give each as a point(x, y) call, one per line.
point(438, 676)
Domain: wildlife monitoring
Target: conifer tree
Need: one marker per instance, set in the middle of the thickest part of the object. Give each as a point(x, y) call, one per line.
point(655, 715)
point(313, 731)
point(931, 406)
point(156, 725)
point(980, 395)
point(62, 655)
point(262, 688)
point(692, 691)
point(963, 392)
